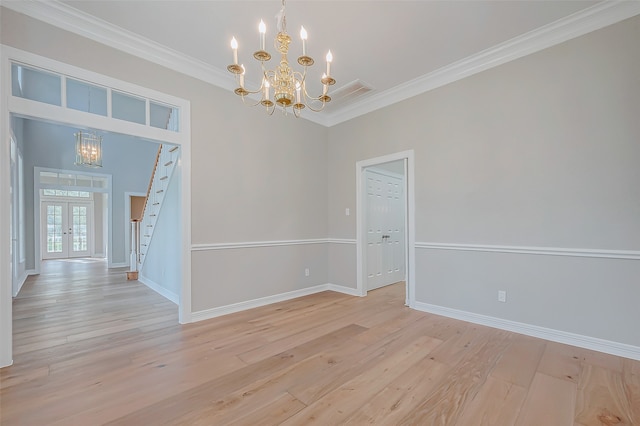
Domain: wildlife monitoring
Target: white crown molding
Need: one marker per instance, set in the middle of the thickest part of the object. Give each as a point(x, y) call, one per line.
point(579, 340)
point(68, 18)
point(593, 18)
point(547, 251)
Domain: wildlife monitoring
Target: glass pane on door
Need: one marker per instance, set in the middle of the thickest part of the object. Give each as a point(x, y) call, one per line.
point(54, 229)
point(79, 228)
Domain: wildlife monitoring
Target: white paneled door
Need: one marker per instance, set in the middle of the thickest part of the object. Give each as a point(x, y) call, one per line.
point(65, 229)
point(385, 262)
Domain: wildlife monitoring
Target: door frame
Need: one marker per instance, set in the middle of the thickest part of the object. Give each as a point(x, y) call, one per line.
point(409, 232)
point(68, 205)
point(37, 212)
point(23, 107)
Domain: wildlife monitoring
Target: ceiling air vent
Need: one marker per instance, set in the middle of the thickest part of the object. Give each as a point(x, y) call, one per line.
point(350, 92)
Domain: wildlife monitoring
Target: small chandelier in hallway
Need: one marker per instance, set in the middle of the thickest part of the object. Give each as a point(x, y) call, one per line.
point(288, 86)
point(88, 149)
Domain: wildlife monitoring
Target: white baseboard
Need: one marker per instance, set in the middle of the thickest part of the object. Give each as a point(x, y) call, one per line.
point(255, 303)
point(346, 290)
point(581, 341)
point(118, 265)
point(23, 279)
point(159, 289)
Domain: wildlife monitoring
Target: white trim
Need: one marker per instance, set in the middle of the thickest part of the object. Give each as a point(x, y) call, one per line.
point(255, 303)
point(86, 25)
point(593, 343)
point(239, 245)
point(409, 191)
point(546, 251)
point(585, 21)
point(277, 243)
point(22, 280)
point(263, 301)
point(159, 289)
point(342, 241)
point(183, 168)
point(12, 105)
point(590, 19)
point(6, 275)
point(37, 213)
point(342, 289)
point(118, 265)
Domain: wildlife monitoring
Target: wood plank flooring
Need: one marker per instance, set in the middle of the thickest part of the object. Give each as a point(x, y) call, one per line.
point(91, 348)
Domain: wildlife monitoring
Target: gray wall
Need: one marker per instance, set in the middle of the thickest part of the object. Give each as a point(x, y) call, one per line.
point(129, 161)
point(253, 177)
point(539, 152)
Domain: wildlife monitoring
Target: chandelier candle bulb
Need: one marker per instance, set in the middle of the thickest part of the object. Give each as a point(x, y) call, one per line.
point(289, 88)
point(303, 36)
point(263, 31)
point(234, 46)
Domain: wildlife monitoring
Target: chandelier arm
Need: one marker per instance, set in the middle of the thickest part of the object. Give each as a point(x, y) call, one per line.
point(316, 110)
point(287, 86)
point(251, 105)
point(313, 98)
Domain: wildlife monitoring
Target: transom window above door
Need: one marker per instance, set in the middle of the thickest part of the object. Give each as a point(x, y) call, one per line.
point(52, 88)
point(73, 183)
point(65, 193)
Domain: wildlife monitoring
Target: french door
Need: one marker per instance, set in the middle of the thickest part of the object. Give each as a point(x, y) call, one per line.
point(66, 229)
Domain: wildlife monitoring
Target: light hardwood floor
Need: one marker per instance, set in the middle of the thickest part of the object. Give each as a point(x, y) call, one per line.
point(91, 348)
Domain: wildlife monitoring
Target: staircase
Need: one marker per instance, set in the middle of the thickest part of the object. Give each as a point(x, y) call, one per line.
point(142, 230)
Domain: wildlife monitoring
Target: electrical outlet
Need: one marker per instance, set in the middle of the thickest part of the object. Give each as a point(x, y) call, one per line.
point(347, 212)
point(306, 272)
point(502, 296)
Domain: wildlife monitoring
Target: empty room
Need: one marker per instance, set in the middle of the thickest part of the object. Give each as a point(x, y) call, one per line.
point(319, 212)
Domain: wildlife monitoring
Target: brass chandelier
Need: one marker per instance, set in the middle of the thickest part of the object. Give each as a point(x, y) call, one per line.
point(288, 86)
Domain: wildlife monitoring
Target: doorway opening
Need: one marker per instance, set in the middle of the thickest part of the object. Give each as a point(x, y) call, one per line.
point(67, 228)
point(385, 223)
point(45, 90)
point(71, 214)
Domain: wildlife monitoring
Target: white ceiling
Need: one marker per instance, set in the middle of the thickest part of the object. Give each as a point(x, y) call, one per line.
point(388, 45)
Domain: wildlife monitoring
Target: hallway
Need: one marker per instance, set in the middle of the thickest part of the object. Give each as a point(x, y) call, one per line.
point(81, 302)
